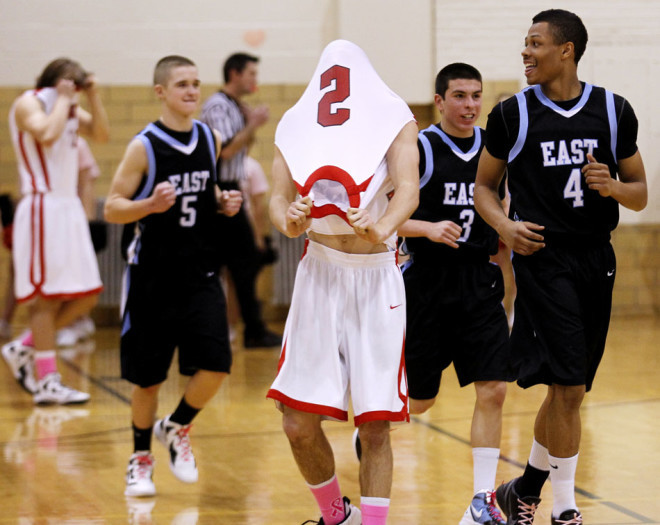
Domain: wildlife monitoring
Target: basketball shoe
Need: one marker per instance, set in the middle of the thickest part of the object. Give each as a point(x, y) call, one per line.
point(353, 515)
point(482, 510)
point(175, 438)
point(568, 517)
point(139, 475)
point(20, 359)
point(519, 511)
point(51, 391)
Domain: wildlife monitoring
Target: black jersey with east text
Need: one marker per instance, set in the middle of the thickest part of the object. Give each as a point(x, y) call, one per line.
point(545, 144)
point(448, 168)
point(180, 238)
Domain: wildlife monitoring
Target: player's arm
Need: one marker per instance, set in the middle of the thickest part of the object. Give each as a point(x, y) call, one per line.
point(119, 206)
point(522, 237)
point(46, 128)
point(403, 167)
point(444, 232)
point(93, 123)
point(229, 201)
point(290, 215)
point(630, 190)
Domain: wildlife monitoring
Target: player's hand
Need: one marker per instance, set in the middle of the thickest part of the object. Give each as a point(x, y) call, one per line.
point(597, 176)
point(66, 87)
point(298, 216)
point(445, 232)
point(364, 226)
point(163, 197)
point(230, 202)
point(91, 84)
point(522, 237)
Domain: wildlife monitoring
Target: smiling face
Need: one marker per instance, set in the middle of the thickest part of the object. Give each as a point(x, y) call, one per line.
point(544, 59)
point(460, 106)
point(181, 92)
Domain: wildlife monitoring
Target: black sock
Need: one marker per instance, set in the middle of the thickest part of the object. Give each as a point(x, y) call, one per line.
point(141, 438)
point(531, 482)
point(184, 413)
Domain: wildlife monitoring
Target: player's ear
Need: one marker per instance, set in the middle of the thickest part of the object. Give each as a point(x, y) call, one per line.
point(439, 102)
point(567, 51)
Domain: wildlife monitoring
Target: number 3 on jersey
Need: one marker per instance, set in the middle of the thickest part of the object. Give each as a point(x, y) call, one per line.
point(573, 189)
point(342, 90)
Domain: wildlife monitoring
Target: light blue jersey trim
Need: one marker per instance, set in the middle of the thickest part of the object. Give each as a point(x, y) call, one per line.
point(611, 117)
point(522, 128)
point(554, 107)
point(428, 155)
point(186, 149)
point(466, 156)
point(151, 168)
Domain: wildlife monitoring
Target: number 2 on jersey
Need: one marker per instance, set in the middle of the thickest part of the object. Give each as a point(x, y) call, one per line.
point(573, 189)
point(342, 77)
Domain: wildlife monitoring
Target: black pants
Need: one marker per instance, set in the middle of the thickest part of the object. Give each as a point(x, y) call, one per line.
point(239, 254)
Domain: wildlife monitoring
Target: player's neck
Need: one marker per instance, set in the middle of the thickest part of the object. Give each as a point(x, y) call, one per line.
point(562, 88)
point(176, 121)
point(455, 131)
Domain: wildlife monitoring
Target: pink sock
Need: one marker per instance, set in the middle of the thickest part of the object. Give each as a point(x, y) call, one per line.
point(374, 510)
point(44, 362)
point(328, 497)
point(28, 340)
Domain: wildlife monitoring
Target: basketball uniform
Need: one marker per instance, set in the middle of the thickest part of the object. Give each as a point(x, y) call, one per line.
point(52, 252)
point(344, 335)
point(453, 296)
point(172, 293)
point(564, 295)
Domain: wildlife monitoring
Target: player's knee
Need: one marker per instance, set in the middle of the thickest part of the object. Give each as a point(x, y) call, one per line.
point(299, 428)
point(419, 406)
point(375, 435)
point(491, 393)
point(569, 397)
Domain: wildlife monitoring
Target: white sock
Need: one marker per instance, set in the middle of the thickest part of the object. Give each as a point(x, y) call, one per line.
point(484, 462)
point(538, 456)
point(562, 477)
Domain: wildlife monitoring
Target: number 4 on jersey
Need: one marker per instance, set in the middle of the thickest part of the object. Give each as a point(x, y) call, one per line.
point(573, 189)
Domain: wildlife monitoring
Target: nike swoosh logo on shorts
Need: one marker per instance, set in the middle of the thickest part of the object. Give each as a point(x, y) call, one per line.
point(610, 273)
point(393, 307)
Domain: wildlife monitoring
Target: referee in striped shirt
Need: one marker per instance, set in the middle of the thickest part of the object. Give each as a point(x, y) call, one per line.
point(237, 124)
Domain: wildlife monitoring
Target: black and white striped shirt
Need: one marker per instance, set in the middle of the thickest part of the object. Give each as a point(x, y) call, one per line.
point(222, 112)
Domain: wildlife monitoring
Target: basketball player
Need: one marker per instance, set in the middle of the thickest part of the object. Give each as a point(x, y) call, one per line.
point(453, 293)
point(571, 154)
point(166, 183)
point(55, 266)
point(346, 144)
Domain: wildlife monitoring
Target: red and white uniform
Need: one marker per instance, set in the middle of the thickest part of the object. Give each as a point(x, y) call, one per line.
point(53, 252)
point(345, 331)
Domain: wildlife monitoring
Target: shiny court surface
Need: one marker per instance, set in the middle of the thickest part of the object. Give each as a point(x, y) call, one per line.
point(65, 465)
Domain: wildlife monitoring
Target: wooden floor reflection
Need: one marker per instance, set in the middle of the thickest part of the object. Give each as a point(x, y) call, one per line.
point(66, 465)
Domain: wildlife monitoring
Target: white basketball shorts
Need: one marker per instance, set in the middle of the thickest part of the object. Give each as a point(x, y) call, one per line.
point(344, 336)
point(53, 252)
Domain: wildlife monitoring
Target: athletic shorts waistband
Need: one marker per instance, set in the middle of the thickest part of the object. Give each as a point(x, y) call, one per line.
point(371, 260)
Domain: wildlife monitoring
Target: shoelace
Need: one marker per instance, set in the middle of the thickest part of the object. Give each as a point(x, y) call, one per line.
point(526, 512)
point(144, 462)
point(493, 511)
point(184, 442)
point(575, 520)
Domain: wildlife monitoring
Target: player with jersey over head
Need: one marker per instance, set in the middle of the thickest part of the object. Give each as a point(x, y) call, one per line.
point(166, 185)
point(570, 152)
point(453, 292)
point(347, 144)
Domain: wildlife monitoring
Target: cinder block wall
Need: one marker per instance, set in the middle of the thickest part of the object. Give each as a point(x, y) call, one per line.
point(131, 107)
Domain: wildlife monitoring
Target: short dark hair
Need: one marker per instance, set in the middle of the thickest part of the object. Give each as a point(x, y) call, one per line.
point(166, 64)
point(452, 72)
point(62, 68)
point(565, 27)
point(237, 62)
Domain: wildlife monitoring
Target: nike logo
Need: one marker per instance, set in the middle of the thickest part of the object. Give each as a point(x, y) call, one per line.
point(554, 466)
point(393, 307)
point(210, 274)
point(493, 285)
point(476, 515)
point(610, 273)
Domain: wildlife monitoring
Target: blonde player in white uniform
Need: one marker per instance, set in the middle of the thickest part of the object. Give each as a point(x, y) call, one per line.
point(54, 261)
point(346, 146)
